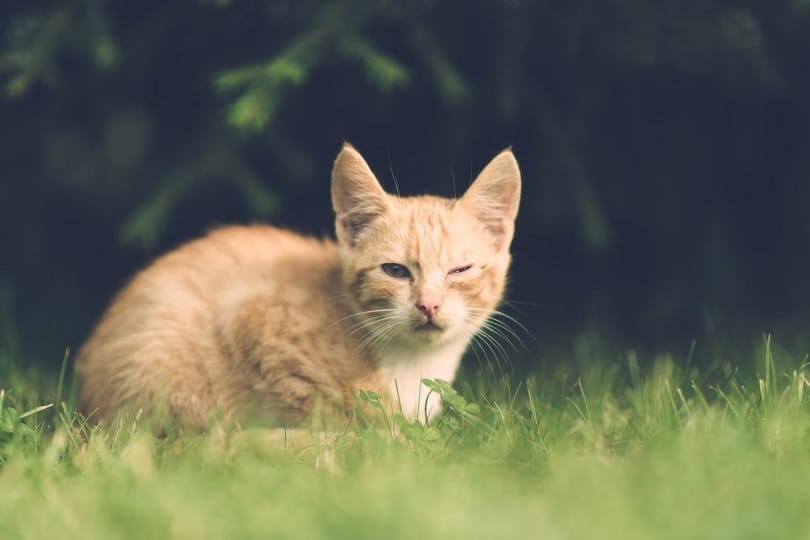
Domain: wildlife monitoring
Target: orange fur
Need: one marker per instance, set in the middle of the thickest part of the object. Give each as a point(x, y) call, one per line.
point(259, 322)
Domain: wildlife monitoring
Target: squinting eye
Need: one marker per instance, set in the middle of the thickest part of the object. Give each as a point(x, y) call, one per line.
point(396, 270)
point(460, 269)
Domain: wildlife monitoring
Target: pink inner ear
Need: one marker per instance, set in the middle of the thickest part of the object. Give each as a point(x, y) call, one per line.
point(497, 230)
point(353, 224)
point(491, 215)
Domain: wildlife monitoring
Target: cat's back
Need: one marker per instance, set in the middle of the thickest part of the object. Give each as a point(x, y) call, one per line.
point(163, 325)
point(227, 261)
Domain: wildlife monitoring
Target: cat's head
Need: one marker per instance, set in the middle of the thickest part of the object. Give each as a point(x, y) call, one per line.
point(423, 270)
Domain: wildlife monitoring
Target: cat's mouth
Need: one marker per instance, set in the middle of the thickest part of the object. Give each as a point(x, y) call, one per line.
point(429, 327)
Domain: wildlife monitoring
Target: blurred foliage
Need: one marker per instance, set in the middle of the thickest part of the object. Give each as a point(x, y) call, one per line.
point(663, 144)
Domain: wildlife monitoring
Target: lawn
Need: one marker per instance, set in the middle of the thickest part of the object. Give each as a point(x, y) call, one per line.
point(591, 448)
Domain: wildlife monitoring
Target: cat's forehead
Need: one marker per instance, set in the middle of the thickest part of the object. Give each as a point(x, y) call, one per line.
point(428, 230)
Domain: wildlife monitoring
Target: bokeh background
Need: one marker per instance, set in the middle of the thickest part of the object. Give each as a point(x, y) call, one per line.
point(665, 148)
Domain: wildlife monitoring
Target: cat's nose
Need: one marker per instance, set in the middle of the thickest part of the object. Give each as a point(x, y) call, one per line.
point(429, 308)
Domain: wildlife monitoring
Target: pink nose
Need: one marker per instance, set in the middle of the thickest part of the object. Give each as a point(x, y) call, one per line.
point(429, 308)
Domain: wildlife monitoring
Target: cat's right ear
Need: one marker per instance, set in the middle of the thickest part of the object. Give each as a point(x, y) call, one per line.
point(357, 197)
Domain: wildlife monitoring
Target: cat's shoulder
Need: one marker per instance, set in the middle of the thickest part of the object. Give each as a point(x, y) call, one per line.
point(257, 232)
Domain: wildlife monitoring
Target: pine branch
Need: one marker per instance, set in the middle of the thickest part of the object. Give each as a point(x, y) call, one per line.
point(383, 71)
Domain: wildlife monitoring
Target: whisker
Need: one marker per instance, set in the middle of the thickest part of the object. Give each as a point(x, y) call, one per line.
point(493, 315)
point(386, 337)
point(368, 323)
point(475, 348)
point(514, 303)
point(377, 335)
point(506, 333)
point(393, 174)
point(493, 359)
point(361, 313)
point(513, 320)
point(484, 341)
point(497, 348)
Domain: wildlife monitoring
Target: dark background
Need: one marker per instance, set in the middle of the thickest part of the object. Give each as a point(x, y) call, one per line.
point(665, 148)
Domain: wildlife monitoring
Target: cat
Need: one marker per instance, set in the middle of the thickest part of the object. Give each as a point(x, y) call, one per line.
point(257, 322)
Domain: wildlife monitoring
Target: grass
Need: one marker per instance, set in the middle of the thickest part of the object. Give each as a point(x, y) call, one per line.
point(602, 450)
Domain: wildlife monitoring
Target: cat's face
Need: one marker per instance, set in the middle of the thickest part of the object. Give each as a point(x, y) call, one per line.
point(423, 270)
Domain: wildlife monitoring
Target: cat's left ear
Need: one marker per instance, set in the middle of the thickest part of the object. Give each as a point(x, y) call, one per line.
point(494, 198)
point(357, 197)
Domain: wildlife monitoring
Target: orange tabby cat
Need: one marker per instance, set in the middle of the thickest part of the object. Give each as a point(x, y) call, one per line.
point(259, 322)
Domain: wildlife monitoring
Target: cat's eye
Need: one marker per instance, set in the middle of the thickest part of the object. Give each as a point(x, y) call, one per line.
point(395, 270)
point(460, 269)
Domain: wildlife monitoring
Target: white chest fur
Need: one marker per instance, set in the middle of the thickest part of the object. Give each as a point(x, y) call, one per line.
point(404, 370)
